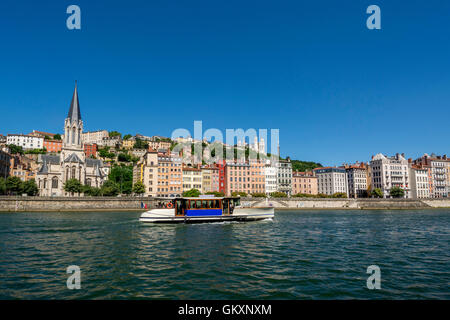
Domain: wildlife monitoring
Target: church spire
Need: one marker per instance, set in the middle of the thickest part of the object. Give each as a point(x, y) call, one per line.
point(74, 111)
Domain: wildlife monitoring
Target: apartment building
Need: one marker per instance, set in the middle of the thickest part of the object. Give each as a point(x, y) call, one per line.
point(53, 146)
point(421, 182)
point(42, 134)
point(284, 179)
point(170, 175)
point(388, 172)
point(238, 178)
point(25, 141)
point(129, 143)
point(304, 183)
point(270, 177)
point(192, 179)
point(5, 162)
point(146, 171)
point(357, 180)
point(113, 142)
point(210, 179)
point(257, 176)
point(331, 180)
point(23, 167)
point(439, 166)
point(96, 137)
point(90, 150)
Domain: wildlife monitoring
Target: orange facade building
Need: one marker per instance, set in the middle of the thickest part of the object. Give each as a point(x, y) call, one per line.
point(54, 146)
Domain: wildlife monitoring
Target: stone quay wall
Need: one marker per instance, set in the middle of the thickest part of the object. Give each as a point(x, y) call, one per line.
point(25, 204)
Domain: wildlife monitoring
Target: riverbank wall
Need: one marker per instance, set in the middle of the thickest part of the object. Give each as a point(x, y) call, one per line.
point(26, 204)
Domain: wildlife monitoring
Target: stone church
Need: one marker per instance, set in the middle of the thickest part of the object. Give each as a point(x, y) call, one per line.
point(72, 161)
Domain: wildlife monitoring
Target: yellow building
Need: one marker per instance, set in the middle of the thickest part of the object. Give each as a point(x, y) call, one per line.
point(146, 171)
point(192, 179)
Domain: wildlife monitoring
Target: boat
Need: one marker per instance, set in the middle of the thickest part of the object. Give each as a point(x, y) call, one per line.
point(204, 209)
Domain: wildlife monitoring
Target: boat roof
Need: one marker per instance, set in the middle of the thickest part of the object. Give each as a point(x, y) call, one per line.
point(207, 198)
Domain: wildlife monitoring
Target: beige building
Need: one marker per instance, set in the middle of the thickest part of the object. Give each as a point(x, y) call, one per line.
point(439, 168)
point(129, 143)
point(304, 183)
point(146, 171)
point(357, 180)
point(210, 179)
point(159, 145)
point(170, 175)
point(94, 137)
point(192, 179)
point(23, 167)
point(5, 162)
point(421, 182)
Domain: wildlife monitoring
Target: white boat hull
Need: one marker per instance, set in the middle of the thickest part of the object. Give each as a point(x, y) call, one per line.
point(239, 214)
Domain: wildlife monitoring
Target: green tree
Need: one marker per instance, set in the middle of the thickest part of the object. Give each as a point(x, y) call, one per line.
point(192, 193)
point(13, 149)
point(123, 176)
point(278, 195)
point(123, 157)
point(30, 187)
point(110, 189)
point(2, 185)
point(57, 137)
point(139, 144)
point(397, 192)
point(14, 185)
point(73, 186)
point(91, 191)
point(239, 193)
point(115, 134)
point(139, 188)
point(127, 136)
point(377, 193)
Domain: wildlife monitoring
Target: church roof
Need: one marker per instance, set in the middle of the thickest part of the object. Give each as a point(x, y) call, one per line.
point(73, 158)
point(44, 168)
point(94, 162)
point(50, 159)
point(74, 111)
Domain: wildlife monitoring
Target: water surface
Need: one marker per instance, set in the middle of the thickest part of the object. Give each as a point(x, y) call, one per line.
point(298, 255)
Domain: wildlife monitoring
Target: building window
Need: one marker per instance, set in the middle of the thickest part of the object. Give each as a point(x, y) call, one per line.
point(55, 183)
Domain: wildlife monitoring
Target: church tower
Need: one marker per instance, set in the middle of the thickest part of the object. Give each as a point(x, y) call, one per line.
point(73, 125)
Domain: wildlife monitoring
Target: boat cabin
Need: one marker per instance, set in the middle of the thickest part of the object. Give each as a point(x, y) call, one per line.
point(191, 207)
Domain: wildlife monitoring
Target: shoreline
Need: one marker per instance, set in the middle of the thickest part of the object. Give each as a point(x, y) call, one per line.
point(133, 204)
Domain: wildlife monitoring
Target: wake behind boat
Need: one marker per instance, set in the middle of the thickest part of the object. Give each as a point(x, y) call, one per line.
point(205, 209)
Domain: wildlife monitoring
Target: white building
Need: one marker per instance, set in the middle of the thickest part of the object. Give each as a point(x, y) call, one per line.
point(388, 172)
point(420, 182)
point(284, 176)
point(25, 141)
point(357, 180)
point(439, 173)
point(331, 180)
point(270, 173)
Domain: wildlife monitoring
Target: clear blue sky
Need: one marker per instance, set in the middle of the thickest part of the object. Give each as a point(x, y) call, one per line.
point(337, 91)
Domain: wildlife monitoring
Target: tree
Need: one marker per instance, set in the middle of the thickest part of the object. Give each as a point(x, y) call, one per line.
point(110, 189)
point(303, 195)
point(127, 136)
point(2, 185)
point(377, 193)
point(139, 144)
point(115, 134)
point(30, 187)
point(14, 185)
point(278, 195)
point(123, 176)
point(397, 192)
point(123, 157)
point(192, 193)
point(13, 149)
point(57, 137)
point(139, 188)
point(73, 186)
point(239, 194)
point(91, 191)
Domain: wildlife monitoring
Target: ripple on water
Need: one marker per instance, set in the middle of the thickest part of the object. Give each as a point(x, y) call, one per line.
point(297, 255)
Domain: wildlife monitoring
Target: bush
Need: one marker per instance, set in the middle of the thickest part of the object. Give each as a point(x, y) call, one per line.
point(139, 188)
point(73, 186)
point(109, 189)
point(259, 195)
point(278, 195)
point(339, 195)
point(377, 193)
point(303, 195)
point(239, 194)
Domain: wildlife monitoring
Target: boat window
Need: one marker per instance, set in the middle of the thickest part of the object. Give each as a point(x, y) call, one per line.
point(198, 204)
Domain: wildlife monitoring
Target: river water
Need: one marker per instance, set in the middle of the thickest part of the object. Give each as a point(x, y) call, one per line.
point(297, 255)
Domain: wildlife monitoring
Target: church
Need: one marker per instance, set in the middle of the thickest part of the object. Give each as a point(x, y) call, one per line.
point(71, 162)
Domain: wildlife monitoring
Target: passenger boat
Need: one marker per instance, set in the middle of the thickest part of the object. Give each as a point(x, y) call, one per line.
point(205, 209)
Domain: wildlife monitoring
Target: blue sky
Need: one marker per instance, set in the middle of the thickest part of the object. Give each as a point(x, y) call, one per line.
point(337, 91)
